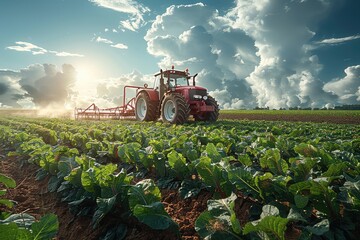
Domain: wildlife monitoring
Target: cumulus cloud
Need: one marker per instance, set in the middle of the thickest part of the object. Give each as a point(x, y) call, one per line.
point(10, 89)
point(36, 50)
point(133, 8)
point(37, 86)
point(347, 88)
point(204, 42)
point(259, 53)
point(287, 74)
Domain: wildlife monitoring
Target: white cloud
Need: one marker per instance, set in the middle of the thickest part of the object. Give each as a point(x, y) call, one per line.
point(133, 8)
point(111, 43)
point(36, 50)
point(119, 46)
point(347, 88)
point(103, 40)
point(198, 38)
point(132, 24)
point(332, 41)
point(27, 47)
point(66, 54)
point(287, 74)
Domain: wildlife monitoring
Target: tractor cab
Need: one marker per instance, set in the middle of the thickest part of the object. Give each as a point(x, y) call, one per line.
point(173, 79)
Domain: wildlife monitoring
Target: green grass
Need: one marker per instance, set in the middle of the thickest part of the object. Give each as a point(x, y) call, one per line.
point(296, 112)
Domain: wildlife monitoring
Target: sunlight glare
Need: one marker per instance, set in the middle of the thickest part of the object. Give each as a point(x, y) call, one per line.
point(86, 80)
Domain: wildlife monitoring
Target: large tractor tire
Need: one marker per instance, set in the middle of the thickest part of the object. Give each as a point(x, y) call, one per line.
point(174, 109)
point(209, 116)
point(145, 110)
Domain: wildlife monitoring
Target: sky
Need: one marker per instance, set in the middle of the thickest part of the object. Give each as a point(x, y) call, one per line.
point(247, 53)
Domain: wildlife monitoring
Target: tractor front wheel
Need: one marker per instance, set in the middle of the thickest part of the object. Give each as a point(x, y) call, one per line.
point(174, 109)
point(145, 110)
point(209, 116)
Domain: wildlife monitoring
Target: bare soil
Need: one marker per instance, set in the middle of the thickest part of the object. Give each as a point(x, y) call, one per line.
point(293, 118)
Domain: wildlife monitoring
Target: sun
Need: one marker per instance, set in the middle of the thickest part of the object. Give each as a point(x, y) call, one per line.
point(86, 78)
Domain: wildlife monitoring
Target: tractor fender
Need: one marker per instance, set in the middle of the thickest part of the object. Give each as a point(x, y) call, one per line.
point(153, 95)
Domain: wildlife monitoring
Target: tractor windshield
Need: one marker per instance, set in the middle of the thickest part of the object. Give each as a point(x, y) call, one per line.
point(178, 80)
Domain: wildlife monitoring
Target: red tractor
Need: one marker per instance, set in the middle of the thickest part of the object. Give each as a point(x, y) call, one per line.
point(174, 97)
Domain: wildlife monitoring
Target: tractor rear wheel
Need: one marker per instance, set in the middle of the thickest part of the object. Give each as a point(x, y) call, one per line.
point(145, 110)
point(174, 109)
point(209, 116)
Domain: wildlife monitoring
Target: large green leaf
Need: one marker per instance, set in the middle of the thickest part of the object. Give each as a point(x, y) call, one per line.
point(23, 220)
point(273, 226)
point(209, 172)
point(190, 188)
point(7, 181)
point(129, 152)
point(306, 150)
point(302, 168)
point(6, 202)
point(269, 210)
point(320, 228)
point(301, 201)
point(46, 228)
point(221, 206)
point(295, 215)
point(211, 227)
point(245, 159)
point(212, 152)
point(88, 180)
point(54, 183)
point(273, 161)
point(243, 181)
point(104, 206)
point(66, 165)
point(12, 232)
point(144, 192)
point(104, 174)
point(154, 215)
point(219, 220)
point(118, 184)
point(178, 163)
point(335, 169)
point(74, 176)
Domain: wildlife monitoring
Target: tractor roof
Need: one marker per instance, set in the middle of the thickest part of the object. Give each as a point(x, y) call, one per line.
point(175, 72)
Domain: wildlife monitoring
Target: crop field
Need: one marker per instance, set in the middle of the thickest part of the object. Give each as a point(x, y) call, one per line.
point(233, 179)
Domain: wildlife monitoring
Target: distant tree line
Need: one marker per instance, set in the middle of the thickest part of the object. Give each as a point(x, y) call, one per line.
point(343, 107)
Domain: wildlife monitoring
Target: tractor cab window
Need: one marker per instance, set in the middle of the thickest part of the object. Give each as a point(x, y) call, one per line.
point(178, 80)
point(157, 82)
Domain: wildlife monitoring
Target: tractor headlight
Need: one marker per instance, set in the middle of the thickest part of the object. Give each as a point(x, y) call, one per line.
point(205, 98)
point(197, 97)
